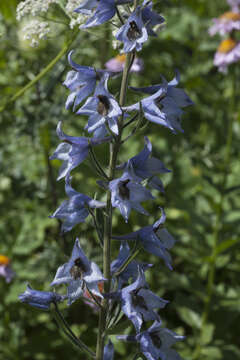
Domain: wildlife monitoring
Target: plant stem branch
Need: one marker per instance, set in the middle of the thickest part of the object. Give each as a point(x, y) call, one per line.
point(42, 73)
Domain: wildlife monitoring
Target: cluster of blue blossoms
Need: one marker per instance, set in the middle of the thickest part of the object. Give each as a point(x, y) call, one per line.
point(162, 105)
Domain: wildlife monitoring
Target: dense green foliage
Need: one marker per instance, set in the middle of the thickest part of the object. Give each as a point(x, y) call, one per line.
point(202, 192)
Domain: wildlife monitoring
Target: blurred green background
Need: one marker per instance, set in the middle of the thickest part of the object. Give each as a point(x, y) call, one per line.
point(202, 193)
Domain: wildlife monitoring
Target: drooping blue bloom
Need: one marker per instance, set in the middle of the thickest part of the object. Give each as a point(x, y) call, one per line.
point(87, 6)
point(75, 210)
point(143, 166)
point(104, 11)
point(101, 108)
point(154, 238)
point(72, 151)
point(150, 18)
point(127, 194)
point(108, 353)
point(81, 81)
point(78, 273)
point(138, 303)
point(99, 10)
point(133, 33)
point(131, 271)
point(156, 342)
point(164, 105)
point(40, 299)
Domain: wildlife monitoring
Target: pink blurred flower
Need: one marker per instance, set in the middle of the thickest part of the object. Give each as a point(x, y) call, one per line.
point(5, 268)
point(117, 64)
point(234, 4)
point(228, 52)
point(226, 23)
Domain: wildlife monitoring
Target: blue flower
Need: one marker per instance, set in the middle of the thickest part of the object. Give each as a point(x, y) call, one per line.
point(154, 238)
point(127, 194)
point(72, 151)
point(75, 210)
point(40, 299)
point(78, 273)
point(87, 6)
point(138, 303)
point(131, 271)
point(100, 108)
point(133, 33)
point(150, 18)
point(81, 81)
point(164, 104)
point(156, 342)
point(105, 10)
point(108, 353)
point(143, 166)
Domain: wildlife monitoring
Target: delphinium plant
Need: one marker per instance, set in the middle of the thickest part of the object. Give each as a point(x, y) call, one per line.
point(121, 288)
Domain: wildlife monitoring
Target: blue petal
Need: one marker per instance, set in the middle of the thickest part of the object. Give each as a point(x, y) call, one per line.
point(105, 10)
point(108, 353)
point(40, 299)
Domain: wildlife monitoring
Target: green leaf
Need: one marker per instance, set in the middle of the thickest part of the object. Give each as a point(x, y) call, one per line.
point(207, 334)
point(212, 352)
point(226, 245)
point(190, 317)
point(119, 328)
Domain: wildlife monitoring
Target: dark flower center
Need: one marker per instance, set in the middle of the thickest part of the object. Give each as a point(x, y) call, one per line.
point(123, 189)
point(133, 32)
point(67, 141)
point(78, 269)
point(103, 105)
point(138, 300)
point(159, 99)
point(156, 339)
point(161, 226)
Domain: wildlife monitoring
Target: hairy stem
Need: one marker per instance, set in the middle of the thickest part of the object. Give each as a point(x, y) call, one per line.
point(114, 150)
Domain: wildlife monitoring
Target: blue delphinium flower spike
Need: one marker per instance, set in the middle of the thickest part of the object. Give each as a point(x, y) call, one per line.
point(150, 18)
point(40, 299)
point(131, 271)
point(127, 194)
point(156, 342)
point(75, 210)
point(165, 103)
point(78, 273)
point(100, 108)
point(104, 11)
point(72, 151)
point(154, 238)
point(133, 33)
point(143, 166)
point(138, 303)
point(108, 353)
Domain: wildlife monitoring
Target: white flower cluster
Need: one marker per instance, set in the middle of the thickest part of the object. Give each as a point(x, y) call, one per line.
point(76, 19)
point(35, 30)
point(33, 7)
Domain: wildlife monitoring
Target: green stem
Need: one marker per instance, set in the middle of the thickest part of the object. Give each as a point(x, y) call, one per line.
point(71, 334)
point(114, 149)
point(218, 225)
point(42, 73)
